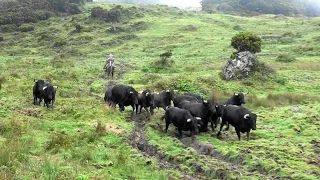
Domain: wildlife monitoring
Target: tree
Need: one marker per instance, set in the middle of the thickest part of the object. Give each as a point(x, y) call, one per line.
point(246, 41)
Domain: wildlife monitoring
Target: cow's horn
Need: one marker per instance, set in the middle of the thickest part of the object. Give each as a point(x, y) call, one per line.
point(147, 93)
point(44, 88)
point(55, 87)
point(260, 115)
point(198, 118)
point(246, 116)
point(188, 120)
point(205, 101)
point(35, 80)
point(131, 92)
point(246, 93)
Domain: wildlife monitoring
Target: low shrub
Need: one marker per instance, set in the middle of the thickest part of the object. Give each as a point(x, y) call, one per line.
point(59, 140)
point(26, 28)
point(286, 58)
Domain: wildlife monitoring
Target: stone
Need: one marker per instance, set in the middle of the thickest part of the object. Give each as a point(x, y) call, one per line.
point(240, 67)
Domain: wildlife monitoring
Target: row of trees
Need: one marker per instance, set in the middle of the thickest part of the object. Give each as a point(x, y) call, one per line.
point(131, 1)
point(254, 7)
point(25, 11)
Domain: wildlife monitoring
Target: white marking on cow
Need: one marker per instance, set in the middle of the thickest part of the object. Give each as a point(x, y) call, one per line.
point(205, 101)
point(44, 88)
point(246, 116)
point(147, 94)
point(188, 120)
point(236, 94)
point(167, 91)
point(198, 118)
point(56, 87)
point(131, 92)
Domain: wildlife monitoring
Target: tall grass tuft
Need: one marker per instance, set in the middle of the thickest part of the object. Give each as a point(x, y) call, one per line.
point(59, 140)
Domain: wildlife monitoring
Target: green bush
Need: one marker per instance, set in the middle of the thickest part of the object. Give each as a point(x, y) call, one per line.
point(246, 41)
point(26, 28)
point(286, 58)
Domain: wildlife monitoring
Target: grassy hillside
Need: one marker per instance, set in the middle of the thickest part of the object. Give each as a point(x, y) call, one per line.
point(82, 138)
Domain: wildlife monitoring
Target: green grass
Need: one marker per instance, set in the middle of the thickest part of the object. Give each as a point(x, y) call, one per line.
point(65, 143)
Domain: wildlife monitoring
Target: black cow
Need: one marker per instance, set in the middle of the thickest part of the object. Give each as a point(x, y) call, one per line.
point(179, 98)
point(38, 84)
point(108, 96)
point(194, 95)
point(203, 110)
point(145, 100)
point(44, 90)
point(241, 118)
point(215, 117)
point(182, 119)
point(236, 99)
point(124, 96)
point(163, 99)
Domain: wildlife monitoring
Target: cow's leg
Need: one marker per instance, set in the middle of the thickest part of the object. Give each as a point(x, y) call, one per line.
point(151, 110)
point(146, 108)
point(211, 121)
point(167, 126)
point(227, 126)
point(133, 108)
point(238, 133)
point(221, 126)
point(34, 100)
point(121, 106)
point(180, 132)
point(248, 135)
point(137, 107)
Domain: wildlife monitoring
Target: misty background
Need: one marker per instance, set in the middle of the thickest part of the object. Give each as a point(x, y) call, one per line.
point(177, 3)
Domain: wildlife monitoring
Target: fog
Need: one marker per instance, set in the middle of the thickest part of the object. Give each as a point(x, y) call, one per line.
point(178, 3)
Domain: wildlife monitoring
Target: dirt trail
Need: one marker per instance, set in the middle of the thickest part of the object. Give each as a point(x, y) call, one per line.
point(211, 153)
point(139, 140)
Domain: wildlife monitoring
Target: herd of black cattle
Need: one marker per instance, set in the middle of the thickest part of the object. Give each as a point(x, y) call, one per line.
point(189, 113)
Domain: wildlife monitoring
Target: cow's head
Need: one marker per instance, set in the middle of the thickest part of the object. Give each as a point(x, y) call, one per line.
point(194, 123)
point(209, 105)
point(133, 95)
point(239, 99)
point(251, 118)
point(150, 98)
point(168, 97)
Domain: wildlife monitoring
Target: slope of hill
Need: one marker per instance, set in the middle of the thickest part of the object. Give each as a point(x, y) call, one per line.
point(84, 139)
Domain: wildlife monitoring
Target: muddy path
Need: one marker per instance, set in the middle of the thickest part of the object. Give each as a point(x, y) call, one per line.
point(215, 161)
point(138, 139)
point(210, 154)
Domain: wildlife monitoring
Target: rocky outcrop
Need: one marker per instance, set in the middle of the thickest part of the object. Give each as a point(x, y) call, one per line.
point(240, 67)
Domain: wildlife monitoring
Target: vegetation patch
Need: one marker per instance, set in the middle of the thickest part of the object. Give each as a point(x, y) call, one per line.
point(285, 58)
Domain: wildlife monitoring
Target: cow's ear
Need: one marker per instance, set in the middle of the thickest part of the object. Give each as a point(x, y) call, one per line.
point(44, 88)
point(246, 116)
point(189, 120)
point(55, 87)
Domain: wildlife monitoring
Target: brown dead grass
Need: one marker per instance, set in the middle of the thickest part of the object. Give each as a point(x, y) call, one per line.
point(109, 127)
point(35, 112)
